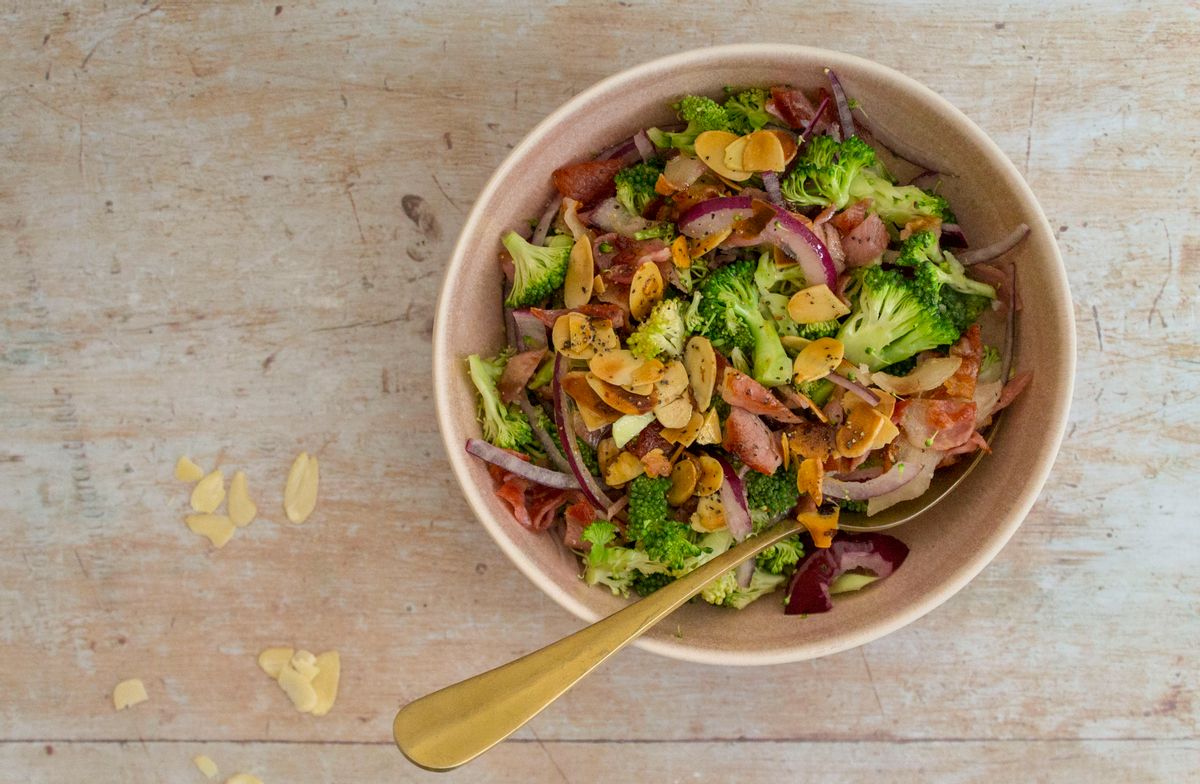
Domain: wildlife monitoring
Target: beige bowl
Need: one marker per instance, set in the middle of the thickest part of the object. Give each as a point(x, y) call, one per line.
point(951, 542)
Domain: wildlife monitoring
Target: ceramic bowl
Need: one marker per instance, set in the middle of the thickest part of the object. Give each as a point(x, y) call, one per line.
point(952, 541)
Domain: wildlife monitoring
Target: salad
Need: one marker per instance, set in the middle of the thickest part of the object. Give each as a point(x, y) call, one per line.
point(730, 320)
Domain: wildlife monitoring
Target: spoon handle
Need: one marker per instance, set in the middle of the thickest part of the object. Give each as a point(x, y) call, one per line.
point(456, 724)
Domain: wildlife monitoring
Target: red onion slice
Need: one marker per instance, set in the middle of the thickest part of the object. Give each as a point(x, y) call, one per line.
point(626, 152)
point(714, 215)
point(808, 591)
point(953, 236)
point(909, 465)
point(610, 216)
point(853, 386)
point(644, 146)
point(528, 330)
point(544, 438)
point(744, 573)
point(774, 193)
point(733, 501)
point(843, 106)
point(546, 221)
point(522, 468)
point(562, 416)
point(996, 249)
point(812, 124)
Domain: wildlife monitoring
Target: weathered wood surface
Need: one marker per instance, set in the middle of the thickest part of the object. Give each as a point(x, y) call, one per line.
point(222, 231)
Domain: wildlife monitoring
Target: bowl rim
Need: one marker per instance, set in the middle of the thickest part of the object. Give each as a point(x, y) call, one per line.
point(955, 578)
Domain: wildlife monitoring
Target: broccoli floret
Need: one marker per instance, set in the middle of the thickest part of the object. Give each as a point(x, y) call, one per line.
point(635, 185)
point(962, 310)
point(720, 589)
point(729, 310)
point(901, 368)
point(664, 231)
point(935, 267)
point(892, 320)
point(662, 333)
point(663, 539)
point(543, 375)
point(761, 583)
point(614, 566)
point(747, 110)
point(776, 494)
point(818, 391)
point(781, 556)
point(858, 507)
point(503, 425)
point(701, 114)
point(825, 171)
point(646, 584)
point(539, 271)
point(585, 450)
point(820, 329)
point(770, 277)
point(989, 365)
point(897, 204)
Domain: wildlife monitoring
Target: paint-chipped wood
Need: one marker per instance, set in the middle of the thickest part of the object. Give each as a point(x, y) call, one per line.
point(223, 228)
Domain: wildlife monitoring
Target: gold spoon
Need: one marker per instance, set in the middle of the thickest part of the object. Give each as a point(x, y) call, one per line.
point(451, 727)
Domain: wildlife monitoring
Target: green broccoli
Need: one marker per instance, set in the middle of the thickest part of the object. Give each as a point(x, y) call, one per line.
point(585, 450)
point(901, 368)
point(614, 566)
point(701, 114)
point(857, 507)
point(898, 204)
point(539, 271)
point(662, 333)
point(663, 539)
point(747, 110)
point(818, 391)
point(730, 315)
point(543, 375)
point(761, 583)
point(824, 173)
point(664, 231)
point(990, 365)
point(771, 277)
point(771, 495)
point(503, 425)
point(646, 584)
point(720, 589)
point(635, 185)
point(962, 310)
point(934, 266)
point(892, 320)
point(781, 556)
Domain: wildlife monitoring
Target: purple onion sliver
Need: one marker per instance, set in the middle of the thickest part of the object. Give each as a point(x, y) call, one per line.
point(812, 124)
point(744, 573)
point(562, 416)
point(544, 438)
point(853, 386)
point(953, 236)
point(644, 146)
point(733, 501)
point(843, 106)
point(996, 249)
point(529, 331)
point(774, 193)
point(546, 221)
point(515, 465)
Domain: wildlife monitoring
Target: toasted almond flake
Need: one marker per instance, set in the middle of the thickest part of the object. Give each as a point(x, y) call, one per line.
point(886, 404)
point(859, 431)
point(679, 253)
point(273, 660)
point(663, 186)
point(815, 304)
point(128, 693)
point(928, 374)
point(298, 688)
point(710, 429)
point(604, 338)
point(650, 373)
point(711, 476)
point(817, 360)
point(709, 515)
point(574, 336)
point(763, 152)
point(705, 244)
point(710, 148)
point(820, 527)
point(325, 684)
point(684, 477)
point(700, 362)
point(674, 382)
point(685, 436)
point(785, 449)
point(241, 509)
point(615, 367)
point(606, 452)
point(217, 528)
point(734, 158)
point(809, 476)
point(243, 778)
point(645, 390)
point(209, 492)
point(794, 343)
point(598, 285)
point(305, 663)
point(645, 290)
point(206, 766)
point(676, 414)
point(886, 435)
point(787, 143)
point(187, 471)
point(812, 406)
point(594, 411)
point(624, 468)
point(300, 491)
point(581, 273)
point(620, 399)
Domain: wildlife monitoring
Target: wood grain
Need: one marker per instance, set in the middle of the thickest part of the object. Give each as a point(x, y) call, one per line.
point(222, 231)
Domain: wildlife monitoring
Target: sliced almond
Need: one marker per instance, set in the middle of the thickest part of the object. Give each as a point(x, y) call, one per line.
point(209, 492)
point(594, 411)
point(809, 440)
point(700, 362)
point(886, 404)
point(676, 414)
point(218, 529)
point(298, 688)
point(708, 243)
point(680, 256)
point(305, 663)
point(928, 374)
point(645, 390)
point(206, 766)
point(794, 344)
point(685, 436)
point(788, 143)
point(809, 476)
point(785, 450)
point(709, 514)
point(243, 778)
point(858, 432)
point(606, 452)
point(684, 477)
point(821, 527)
point(815, 304)
point(650, 373)
point(273, 660)
point(615, 367)
point(710, 148)
point(581, 273)
point(710, 429)
point(673, 383)
point(128, 693)
point(817, 360)
point(886, 435)
point(734, 158)
point(712, 476)
point(645, 290)
point(619, 399)
point(300, 491)
point(325, 684)
point(624, 468)
point(604, 339)
point(763, 152)
point(241, 509)
point(187, 471)
point(574, 336)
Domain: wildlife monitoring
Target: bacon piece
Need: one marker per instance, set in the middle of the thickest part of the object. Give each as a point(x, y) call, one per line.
point(848, 219)
point(833, 243)
point(656, 463)
point(749, 439)
point(1012, 389)
point(533, 505)
point(579, 516)
point(961, 385)
point(740, 390)
point(649, 439)
point(938, 424)
point(517, 372)
point(792, 106)
point(866, 242)
point(587, 182)
point(613, 313)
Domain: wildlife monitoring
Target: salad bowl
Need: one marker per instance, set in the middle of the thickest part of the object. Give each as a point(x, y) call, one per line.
point(950, 542)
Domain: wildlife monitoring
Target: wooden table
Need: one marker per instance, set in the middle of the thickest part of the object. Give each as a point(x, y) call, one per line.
point(223, 227)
